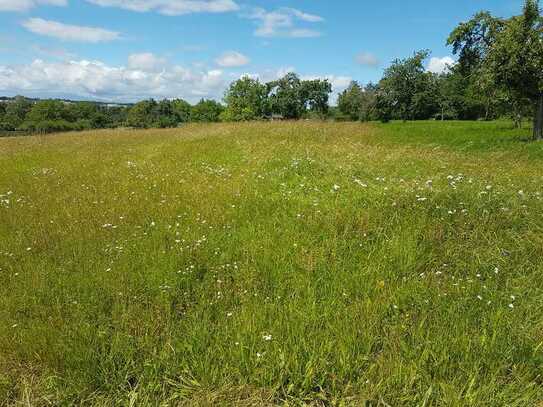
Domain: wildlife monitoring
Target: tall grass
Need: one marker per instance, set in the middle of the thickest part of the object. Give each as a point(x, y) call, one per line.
point(284, 263)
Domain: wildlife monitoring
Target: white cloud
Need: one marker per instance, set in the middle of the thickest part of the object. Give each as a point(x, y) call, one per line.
point(171, 7)
point(146, 61)
point(368, 59)
point(440, 65)
point(282, 23)
point(95, 80)
point(24, 5)
point(232, 59)
point(144, 76)
point(67, 32)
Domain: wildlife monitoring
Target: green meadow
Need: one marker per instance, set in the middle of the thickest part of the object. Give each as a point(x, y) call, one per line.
point(283, 263)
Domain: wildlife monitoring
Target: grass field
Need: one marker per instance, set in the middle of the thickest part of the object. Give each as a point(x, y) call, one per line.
point(273, 263)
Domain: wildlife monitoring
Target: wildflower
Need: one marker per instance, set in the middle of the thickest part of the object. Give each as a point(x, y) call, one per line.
point(267, 337)
point(511, 306)
point(336, 187)
point(361, 183)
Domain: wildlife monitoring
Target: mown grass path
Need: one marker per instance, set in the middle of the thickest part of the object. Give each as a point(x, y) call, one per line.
point(273, 263)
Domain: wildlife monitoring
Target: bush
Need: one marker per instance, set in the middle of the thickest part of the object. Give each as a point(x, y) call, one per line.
point(48, 126)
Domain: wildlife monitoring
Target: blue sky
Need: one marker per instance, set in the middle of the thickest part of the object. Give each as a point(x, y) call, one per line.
point(125, 50)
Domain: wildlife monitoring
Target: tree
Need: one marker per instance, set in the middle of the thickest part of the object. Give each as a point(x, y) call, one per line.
point(116, 116)
point(509, 56)
point(285, 96)
point(472, 40)
point(358, 102)
point(16, 111)
point(350, 101)
point(291, 97)
point(181, 110)
point(2, 114)
point(315, 94)
point(246, 99)
point(47, 110)
point(206, 110)
point(50, 115)
point(163, 114)
point(142, 114)
point(406, 90)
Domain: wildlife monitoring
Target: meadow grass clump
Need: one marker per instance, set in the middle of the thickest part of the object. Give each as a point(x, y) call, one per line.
point(273, 263)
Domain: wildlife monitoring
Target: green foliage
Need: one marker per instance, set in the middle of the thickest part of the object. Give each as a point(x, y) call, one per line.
point(285, 96)
point(15, 113)
point(47, 110)
point(246, 99)
point(292, 98)
point(472, 41)
point(181, 109)
point(507, 58)
point(142, 114)
point(516, 56)
point(350, 101)
point(407, 91)
point(315, 94)
point(206, 111)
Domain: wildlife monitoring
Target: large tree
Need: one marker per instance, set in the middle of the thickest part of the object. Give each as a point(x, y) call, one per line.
point(292, 97)
point(315, 95)
point(246, 99)
point(507, 54)
point(406, 91)
point(358, 102)
point(285, 96)
point(350, 101)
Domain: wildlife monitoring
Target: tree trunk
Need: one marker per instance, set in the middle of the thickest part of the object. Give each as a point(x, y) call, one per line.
point(538, 119)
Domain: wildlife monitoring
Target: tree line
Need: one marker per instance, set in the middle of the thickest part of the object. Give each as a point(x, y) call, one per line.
point(246, 99)
point(499, 73)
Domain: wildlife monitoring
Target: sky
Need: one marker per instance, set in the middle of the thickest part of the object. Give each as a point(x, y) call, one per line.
point(128, 50)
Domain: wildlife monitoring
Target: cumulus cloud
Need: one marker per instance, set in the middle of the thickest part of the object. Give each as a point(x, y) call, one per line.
point(367, 59)
point(146, 61)
point(283, 23)
point(99, 81)
point(24, 5)
point(232, 59)
point(68, 32)
point(144, 76)
point(171, 7)
point(440, 65)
